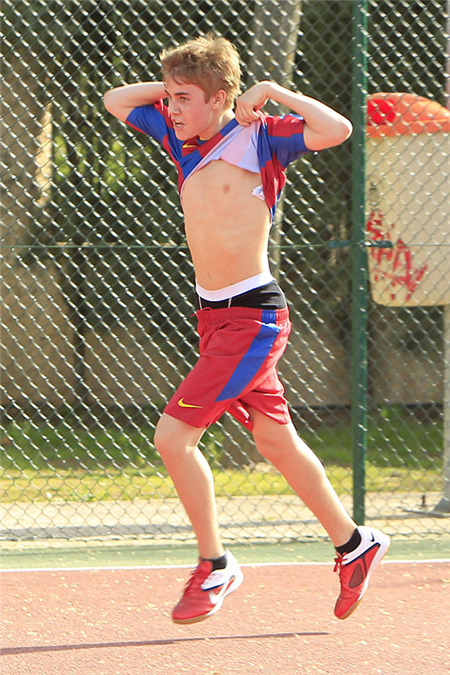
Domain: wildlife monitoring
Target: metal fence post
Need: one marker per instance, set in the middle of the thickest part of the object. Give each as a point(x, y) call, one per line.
point(359, 263)
point(443, 506)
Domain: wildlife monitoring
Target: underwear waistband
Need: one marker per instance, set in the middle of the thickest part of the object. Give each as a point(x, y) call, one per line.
point(235, 289)
point(268, 296)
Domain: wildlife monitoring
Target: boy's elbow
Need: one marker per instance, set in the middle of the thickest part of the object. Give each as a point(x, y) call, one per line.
point(334, 133)
point(112, 106)
point(337, 134)
point(345, 130)
point(107, 100)
point(349, 129)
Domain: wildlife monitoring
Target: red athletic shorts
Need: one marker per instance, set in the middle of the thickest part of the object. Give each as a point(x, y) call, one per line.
point(239, 351)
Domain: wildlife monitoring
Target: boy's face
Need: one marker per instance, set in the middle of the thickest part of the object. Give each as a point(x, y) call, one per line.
point(190, 113)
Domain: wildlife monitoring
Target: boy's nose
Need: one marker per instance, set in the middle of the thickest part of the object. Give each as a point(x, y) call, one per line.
point(173, 107)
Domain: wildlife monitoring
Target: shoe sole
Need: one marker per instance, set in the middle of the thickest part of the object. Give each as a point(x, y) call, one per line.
point(384, 548)
point(237, 581)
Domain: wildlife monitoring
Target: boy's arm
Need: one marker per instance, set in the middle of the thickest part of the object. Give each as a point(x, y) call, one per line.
point(122, 100)
point(323, 126)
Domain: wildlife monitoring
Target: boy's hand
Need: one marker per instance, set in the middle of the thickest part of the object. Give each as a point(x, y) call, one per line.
point(251, 100)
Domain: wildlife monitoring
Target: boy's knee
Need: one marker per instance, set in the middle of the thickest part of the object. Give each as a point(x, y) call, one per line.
point(163, 438)
point(173, 436)
point(267, 440)
point(268, 448)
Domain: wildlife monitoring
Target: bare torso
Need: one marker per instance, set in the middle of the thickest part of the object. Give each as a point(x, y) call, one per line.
point(227, 227)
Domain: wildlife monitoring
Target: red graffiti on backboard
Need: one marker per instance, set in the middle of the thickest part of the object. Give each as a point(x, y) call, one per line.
point(402, 271)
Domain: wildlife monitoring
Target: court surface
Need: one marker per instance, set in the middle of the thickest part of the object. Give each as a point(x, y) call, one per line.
point(114, 618)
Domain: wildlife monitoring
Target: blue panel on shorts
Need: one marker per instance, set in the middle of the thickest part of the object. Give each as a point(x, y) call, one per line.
point(252, 361)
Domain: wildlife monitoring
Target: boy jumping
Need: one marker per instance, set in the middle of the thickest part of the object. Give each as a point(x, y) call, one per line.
point(231, 170)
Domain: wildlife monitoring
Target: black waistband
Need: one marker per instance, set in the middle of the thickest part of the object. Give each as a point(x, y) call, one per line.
point(269, 296)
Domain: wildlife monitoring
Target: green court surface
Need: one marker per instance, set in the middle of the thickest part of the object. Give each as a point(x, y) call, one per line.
point(55, 555)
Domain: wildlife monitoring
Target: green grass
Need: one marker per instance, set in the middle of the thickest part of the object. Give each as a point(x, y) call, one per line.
point(396, 438)
point(127, 484)
point(68, 463)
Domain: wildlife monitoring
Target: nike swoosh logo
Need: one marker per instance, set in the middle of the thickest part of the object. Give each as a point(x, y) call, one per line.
point(182, 404)
point(372, 538)
point(214, 598)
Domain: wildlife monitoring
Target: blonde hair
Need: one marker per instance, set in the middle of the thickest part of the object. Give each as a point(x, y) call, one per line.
point(211, 62)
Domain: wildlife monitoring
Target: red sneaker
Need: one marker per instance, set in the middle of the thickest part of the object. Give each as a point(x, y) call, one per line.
point(355, 569)
point(206, 591)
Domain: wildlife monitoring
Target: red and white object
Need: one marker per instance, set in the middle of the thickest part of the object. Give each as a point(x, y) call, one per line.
point(408, 199)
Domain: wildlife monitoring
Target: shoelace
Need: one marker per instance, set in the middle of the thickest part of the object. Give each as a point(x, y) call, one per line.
point(198, 576)
point(338, 562)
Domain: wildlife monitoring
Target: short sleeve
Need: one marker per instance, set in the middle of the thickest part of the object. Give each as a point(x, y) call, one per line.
point(152, 120)
point(286, 138)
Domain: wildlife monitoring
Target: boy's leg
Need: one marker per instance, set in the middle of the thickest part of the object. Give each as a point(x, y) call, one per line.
point(281, 445)
point(217, 574)
point(177, 444)
point(360, 548)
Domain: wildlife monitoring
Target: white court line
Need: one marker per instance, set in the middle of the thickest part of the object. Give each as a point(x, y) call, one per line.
point(180, 567)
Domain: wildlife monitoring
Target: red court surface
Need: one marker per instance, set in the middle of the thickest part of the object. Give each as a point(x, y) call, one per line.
point(280, 622)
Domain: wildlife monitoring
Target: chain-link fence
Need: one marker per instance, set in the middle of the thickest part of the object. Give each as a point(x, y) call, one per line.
point(97, 282)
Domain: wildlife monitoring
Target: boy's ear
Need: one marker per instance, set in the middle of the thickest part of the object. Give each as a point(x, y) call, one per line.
point(219, 98)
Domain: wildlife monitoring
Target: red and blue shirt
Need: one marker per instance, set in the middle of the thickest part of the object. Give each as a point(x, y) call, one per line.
point(269, 144)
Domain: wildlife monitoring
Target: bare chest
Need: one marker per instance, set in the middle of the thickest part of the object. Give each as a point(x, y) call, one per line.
point(220, 183)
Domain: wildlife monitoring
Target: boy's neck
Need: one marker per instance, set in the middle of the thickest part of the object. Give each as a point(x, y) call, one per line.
point(222, 120)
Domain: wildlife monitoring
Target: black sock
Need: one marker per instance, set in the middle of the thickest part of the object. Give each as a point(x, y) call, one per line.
point(218, 563)
point(352, 543)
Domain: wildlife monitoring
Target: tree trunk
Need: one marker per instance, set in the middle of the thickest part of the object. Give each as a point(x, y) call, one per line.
point(32, 308)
